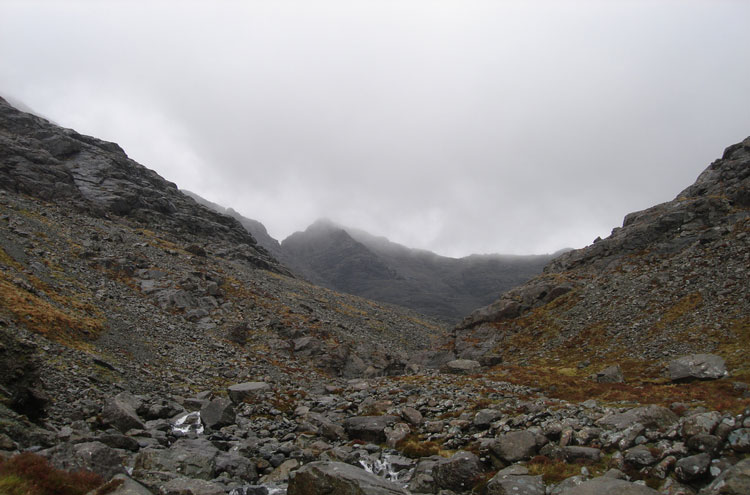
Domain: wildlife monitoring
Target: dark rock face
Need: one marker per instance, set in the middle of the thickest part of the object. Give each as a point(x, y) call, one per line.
point(42, 160)
point(326, 478)
point(19, 376)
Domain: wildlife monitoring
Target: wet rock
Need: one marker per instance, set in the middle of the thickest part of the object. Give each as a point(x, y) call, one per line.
point(327, 478)
point(697, 367)
point(245, 391)
point(458, 473)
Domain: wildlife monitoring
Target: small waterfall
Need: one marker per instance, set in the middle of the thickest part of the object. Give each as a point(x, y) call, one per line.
point(188, 422)
point(384, 468)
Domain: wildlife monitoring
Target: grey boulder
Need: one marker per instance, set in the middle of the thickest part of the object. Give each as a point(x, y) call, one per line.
point(733, 481)
point(327, 478)
point(503, 484)
point(462, 366)
point(609, 486)
point(369, 428)
point(242, 391)
point(697, 367)
point(515, 446)
point(652, 416)
point(458, 473)
point(613, 374)
point(119, 412)
point(217, 413)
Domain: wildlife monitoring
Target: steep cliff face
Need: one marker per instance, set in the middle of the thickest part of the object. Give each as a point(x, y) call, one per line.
point(42, 160)
point(672, 280)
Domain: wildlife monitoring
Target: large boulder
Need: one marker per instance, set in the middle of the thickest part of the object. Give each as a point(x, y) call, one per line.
point(90, 456)
point(739, 440)
point(194, 458)
point(697, 367)
point(328, 478)
point(120, 412)
point(122, 485)
point(514, 446)
point(461, 366)
point(459, 473)
point(504, 483)
point(652, 417)
point(242, 391)
point(187, 486)
point(369, 428)
point(609, 486)
point(217, 413)
point(733, 481)
point(692, 467)
point(612, 374)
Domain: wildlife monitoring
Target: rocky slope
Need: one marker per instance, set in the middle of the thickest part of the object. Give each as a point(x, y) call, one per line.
point(173, 356)
point(672, 280)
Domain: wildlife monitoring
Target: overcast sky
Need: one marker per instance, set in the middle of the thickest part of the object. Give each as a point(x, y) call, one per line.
point(456, 126)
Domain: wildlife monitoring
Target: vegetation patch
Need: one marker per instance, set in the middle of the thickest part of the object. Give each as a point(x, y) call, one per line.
point(415, 448)
point(30, 474)
point(644, 385)
point(64, 324)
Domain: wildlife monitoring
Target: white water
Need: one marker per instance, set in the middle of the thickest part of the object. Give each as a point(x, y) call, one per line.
point(383, 468)
point(188, 422)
